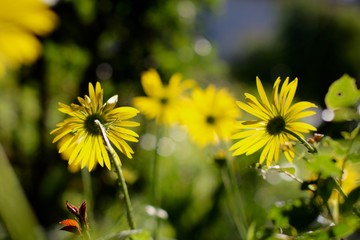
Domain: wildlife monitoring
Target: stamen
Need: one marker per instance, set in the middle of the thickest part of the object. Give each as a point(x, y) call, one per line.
point(90, 125)
point(276, 125)
point(164, 101)
point(210, 120)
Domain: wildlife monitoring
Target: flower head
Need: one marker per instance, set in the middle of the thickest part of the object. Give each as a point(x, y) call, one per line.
point(162, 103)
point(277, 122)
point(350, 179)
point(20, 21)
point(79, 224)
point(83, 139)
point(210, 115)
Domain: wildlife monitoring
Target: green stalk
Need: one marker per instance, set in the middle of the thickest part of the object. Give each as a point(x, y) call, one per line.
point(122, 184)
point(310, 148)
point(335, 210)
point(155, 183)
point(155, 194)
point(88, 194)
point(236, 203)
point(86, 234)
point(16, 212)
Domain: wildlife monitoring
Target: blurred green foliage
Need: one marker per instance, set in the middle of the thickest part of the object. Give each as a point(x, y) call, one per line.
point(114, 41)
point(316, 42)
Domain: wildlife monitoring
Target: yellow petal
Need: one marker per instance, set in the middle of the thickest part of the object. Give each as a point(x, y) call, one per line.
point(151, 83)
point(290, 95)
point(257, 145)
point(105, 156)
point(275, 93)
point(300, 115)
point(250, 110)
point(262, 93)
point(97, 149)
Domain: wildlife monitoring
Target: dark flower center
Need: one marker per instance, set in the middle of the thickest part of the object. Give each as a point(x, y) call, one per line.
point(164, 101)
point(90, 125)
point(210, 120)
point(276, 125)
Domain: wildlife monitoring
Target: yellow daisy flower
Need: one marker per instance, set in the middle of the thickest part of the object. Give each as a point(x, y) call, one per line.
point(162, 103)
point(210, 115)
point(277, 124)
point(84, 143)
point(349, 181)
point(20, 21)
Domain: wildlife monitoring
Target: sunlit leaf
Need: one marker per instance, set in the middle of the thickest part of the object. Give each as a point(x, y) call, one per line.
point(343, 229)
point(276, 215)
point(325, 165)
point(351, 200)
point(136, 234)
point(342, 93)
point(352, 134)
point(345, 114)
point(335, 146)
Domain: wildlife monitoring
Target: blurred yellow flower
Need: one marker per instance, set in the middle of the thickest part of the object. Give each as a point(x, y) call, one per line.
point(83, 142)
point(277, 123)
point(349, 181)
point(210, 115)
point(20, 22)
point(162, 103)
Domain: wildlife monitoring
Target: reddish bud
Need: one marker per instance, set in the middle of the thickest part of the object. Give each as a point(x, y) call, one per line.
point(70, 225)
point(316, 138)
point(82, 212)
point(310, 140)
point(72, 209)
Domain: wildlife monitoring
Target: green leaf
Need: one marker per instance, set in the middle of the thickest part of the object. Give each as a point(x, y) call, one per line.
point(343, 229)
point(276, 215)
point(143, 235)
point(342, 93)
point(136, 234)
point(352, 134)
point(351, 200)
point(334, 145)
point(294, 215)
point(325, 188)
point(345, 114)
point(325, 165)
point(354, 157)
point(290, 170)
point(15, 211)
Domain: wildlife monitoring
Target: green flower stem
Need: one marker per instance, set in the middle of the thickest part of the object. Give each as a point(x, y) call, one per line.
point(16, 213)
point(280, 170)
point(235, 200)
point(335, 210)
point(86, 179)
point(310, 148)
point(155, 183)
point(155, 193)
point(116, 162)
point(86, 234)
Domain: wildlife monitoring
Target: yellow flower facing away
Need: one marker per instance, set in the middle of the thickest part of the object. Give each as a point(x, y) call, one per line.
point(79, 136)
point(349, 181)
point(210, 115)
point(20, 22)
point(162, 103)
point(277, 123)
